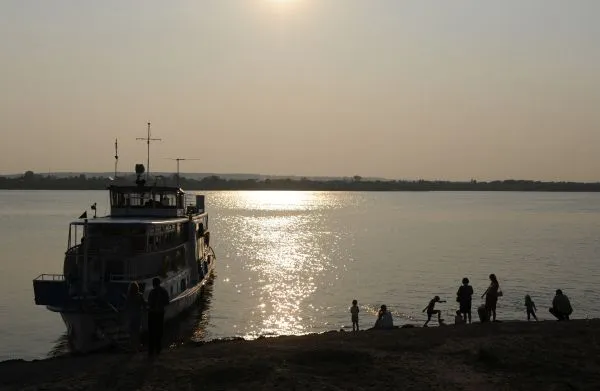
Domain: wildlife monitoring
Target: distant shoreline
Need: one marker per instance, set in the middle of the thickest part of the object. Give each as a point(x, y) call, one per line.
point(332, 190)
point(31, 181)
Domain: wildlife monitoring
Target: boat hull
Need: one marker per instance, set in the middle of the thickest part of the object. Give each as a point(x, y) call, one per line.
point(85, 333)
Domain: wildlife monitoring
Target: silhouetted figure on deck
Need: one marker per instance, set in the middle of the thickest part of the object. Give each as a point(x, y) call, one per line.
point(158, 299)
point(491, 297)
point(561, 306)
point(531, 309)
point(384, 319)
point(464, 298)
point(432, 311)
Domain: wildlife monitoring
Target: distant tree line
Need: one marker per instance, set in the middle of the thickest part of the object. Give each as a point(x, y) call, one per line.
point(32, 181)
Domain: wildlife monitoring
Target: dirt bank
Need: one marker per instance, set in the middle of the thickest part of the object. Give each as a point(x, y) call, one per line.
point(504, 356)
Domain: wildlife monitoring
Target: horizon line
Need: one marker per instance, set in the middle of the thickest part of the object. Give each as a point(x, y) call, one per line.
point(310, 177)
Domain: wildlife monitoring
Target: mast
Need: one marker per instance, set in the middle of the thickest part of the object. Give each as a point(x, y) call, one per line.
point(178, 159)
point(116, 157)
point(86, 243)
point(147, 139)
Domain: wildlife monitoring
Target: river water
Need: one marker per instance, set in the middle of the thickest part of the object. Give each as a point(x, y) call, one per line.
point(291, 262)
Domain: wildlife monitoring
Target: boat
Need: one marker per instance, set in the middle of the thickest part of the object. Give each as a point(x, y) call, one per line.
point(151, 231)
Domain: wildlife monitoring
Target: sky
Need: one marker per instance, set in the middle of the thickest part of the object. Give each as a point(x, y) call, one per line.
point(400, 89)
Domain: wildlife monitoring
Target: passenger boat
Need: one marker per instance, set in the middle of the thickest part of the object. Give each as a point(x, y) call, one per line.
point(152, 231)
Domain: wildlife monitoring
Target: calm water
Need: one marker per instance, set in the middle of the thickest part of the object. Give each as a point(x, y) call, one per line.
point(291, 262)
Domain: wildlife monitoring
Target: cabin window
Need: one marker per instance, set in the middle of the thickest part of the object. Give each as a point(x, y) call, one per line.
point(200, 247)
point(183, 285)
point(169, 200)
point(116, 238)
point(164, 237)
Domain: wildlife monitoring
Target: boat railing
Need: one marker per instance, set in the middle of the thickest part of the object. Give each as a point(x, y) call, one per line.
point(51, 289)
point(50, 277)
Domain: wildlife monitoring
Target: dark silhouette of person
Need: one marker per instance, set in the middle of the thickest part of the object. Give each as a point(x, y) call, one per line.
point(432, 311)
point(158, 299)
point(384, 319)
point(561, 306)
point(491, 297)
point(134, 306)
point(531, 308)
point(464, 298)
point(354, 310)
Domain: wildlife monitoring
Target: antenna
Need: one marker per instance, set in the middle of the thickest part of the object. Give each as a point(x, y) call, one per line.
point(178, 159)
point(147, 139)
point(116, 157)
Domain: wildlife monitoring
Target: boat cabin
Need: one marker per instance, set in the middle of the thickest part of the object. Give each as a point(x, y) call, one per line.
point(152, 202)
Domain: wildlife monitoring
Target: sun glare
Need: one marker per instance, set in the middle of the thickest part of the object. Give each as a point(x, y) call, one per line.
point(287, 4)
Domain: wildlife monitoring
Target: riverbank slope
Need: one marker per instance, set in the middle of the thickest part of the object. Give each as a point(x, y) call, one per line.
point(504, 356)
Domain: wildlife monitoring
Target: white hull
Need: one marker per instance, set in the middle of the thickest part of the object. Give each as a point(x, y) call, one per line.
point(85, 335)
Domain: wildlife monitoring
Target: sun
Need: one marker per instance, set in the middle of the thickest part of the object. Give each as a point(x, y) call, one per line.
point(283, 3)
point(283, 8)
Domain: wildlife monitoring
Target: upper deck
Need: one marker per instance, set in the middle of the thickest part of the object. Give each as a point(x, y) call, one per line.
point(153, 201)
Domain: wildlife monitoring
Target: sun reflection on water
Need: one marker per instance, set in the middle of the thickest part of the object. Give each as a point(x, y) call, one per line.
point(280, 242)
point(287, 255)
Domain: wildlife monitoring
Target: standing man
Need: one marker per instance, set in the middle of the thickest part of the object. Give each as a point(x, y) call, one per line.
point(158, 299)
point(561, 306)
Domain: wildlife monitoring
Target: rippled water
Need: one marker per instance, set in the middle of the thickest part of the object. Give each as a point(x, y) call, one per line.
point(291, 262)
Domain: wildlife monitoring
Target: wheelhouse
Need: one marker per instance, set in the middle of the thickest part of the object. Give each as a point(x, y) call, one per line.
point(152, 202)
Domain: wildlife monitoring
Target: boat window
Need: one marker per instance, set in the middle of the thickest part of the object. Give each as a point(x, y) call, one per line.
point(164, 237)
point(200, 246)
point(116, 238)
point(168, 200)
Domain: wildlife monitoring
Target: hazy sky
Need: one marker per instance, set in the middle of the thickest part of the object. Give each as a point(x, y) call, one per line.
point(394, 88)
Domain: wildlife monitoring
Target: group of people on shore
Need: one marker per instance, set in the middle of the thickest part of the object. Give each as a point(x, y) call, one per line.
point(561, 307)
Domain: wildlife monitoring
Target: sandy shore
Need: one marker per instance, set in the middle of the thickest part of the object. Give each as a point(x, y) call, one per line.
point(504, 356)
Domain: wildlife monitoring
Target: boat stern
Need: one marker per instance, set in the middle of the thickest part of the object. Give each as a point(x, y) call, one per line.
point(51, 290)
